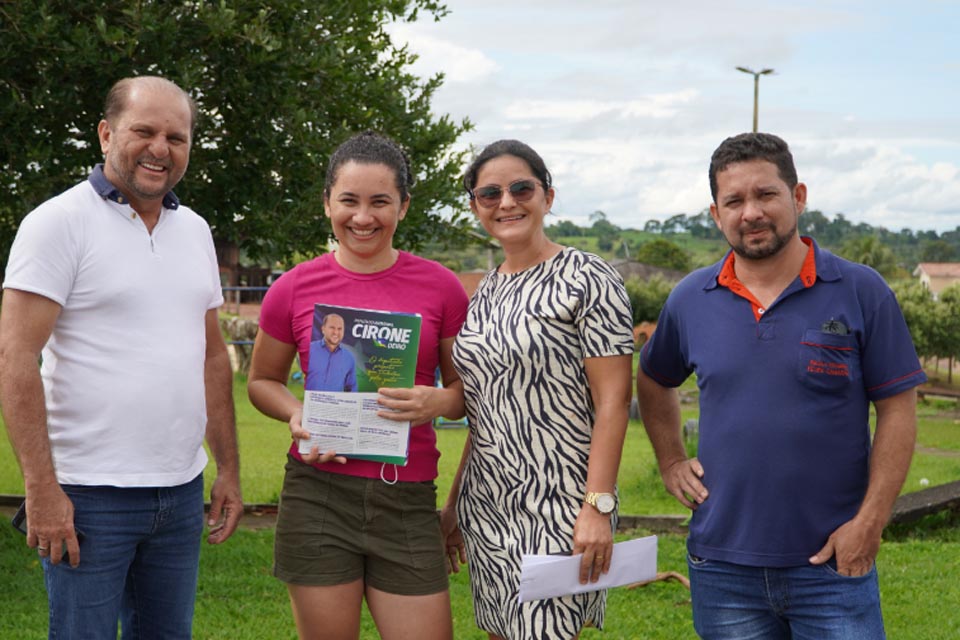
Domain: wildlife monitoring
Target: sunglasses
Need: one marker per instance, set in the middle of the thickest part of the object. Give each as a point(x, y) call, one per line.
point(520, 191)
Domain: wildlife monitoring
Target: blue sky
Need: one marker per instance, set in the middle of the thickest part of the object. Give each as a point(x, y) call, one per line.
point(627, 99)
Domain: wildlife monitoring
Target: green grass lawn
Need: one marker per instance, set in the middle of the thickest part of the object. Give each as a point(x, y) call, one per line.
point(238, 598)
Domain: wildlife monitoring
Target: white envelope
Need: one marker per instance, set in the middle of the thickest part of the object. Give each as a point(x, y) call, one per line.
point(554, 576)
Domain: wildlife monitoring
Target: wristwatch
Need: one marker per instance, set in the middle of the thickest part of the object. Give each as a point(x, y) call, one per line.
point(603, 502)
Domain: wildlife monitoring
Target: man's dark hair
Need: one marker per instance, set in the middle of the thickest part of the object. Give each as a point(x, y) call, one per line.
point(507, 148)
point(371, 147)
point(116, 101)
point(753, 146)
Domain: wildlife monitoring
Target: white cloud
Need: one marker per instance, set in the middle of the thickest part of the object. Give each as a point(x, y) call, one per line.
point(887, 187)
point(459, 64)
point(574, 111)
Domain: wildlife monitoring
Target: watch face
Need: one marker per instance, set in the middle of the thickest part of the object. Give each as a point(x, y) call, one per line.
point(605, 503)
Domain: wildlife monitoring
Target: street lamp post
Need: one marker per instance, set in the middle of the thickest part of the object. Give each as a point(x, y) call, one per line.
point(756, 89)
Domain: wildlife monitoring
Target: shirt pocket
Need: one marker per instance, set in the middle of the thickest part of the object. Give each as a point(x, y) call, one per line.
point(828, 362)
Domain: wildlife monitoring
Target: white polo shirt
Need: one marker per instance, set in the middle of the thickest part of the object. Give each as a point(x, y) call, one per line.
point(123, 371)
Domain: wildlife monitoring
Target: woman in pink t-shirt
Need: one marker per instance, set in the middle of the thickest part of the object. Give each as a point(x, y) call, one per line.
point(351, 529)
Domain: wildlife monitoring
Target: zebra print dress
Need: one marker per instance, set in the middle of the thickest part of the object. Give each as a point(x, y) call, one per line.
point(520, 355)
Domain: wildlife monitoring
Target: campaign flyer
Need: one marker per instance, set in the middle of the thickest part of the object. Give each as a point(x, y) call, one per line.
point(353, 352)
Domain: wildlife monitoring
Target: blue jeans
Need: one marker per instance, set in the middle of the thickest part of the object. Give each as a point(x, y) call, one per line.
point(733, 601)
point(138, 563)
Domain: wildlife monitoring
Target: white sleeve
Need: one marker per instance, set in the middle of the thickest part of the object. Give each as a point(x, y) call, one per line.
point(45, 255)
point(216, 286)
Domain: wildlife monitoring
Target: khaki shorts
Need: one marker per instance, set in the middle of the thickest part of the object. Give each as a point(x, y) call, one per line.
point(334, 529)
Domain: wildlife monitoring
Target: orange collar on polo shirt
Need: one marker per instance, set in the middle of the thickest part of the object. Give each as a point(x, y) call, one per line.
point(728, 278)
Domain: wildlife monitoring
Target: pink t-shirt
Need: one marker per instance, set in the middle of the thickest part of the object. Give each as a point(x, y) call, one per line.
point(411, 285)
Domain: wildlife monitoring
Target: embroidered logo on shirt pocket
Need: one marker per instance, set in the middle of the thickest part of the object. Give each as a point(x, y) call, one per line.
point(828, 362)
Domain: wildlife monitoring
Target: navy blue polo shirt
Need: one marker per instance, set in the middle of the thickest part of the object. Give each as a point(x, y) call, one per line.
point(784, 400)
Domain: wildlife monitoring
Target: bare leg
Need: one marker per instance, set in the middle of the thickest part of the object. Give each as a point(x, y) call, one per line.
point(411, 617)
point(328, 613)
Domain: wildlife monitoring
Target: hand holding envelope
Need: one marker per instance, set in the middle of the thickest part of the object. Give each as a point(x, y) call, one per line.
point(554, 576)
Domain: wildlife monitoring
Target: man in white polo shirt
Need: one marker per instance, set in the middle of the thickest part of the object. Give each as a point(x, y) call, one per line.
point(114, 284)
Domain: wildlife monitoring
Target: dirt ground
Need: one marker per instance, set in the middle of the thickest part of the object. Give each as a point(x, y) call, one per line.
point(244, 309)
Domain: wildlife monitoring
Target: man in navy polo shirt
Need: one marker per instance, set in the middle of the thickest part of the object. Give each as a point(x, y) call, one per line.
point(790, 345)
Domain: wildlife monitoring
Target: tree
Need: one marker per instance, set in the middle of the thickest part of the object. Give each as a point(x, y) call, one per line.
point(601, 225)
point(937, 251)
point(663, 253)
point(952, 237)
point(934, 324)
point(605, 243)
point(870, 251)
point(278, 85)
point(606, 232)
point(918, 307)
point(647, 297)
point(674, 224)
point(564, 229)
point(652, 226)
point(836, 230)
point(703, 226)
point(813, 223)
point(948, 325)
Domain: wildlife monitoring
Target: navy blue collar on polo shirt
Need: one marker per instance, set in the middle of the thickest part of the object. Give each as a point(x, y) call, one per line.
point(108, 191)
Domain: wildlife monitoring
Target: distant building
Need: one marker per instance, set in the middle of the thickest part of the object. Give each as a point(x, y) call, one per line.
point(937, 276)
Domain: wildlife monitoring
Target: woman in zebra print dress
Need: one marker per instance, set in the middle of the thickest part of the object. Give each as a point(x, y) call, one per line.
point(545, 358)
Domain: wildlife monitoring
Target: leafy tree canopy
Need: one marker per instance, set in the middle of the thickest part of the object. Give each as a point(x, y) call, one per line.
point(703, 226)
point(937, 251)
point(919, 311)
point(647, 297)
point(564, 228)
point(602, 226)
point(869, 250)
point(652, 226)
point(663, 253)
point(278, 85)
